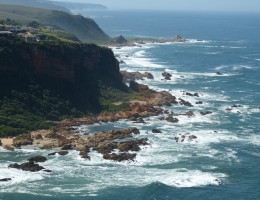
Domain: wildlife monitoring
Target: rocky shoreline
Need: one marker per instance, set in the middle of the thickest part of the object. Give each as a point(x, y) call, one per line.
point(114, 145)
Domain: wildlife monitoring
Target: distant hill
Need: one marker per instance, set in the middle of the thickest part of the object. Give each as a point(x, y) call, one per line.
point(85, 29)
point(36, 4)
point(80, 6)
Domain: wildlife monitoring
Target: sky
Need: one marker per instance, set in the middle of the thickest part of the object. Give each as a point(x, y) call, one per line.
point(194, 5)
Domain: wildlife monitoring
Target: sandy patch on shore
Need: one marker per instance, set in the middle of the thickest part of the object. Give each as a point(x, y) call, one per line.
point(7, 141)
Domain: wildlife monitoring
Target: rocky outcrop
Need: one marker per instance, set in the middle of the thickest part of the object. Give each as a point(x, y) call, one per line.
point(156, 131)
point(22, 140)
point(27, 166)
point(119, 41)
point(133, 76)
point(186, 137)
point(171, 119)
point(166, 75)
point(185, 103)
point(119, 157)
point(178, 38)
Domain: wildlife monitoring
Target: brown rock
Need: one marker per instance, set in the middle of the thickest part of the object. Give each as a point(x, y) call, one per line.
point(38, 137)
point(21, 140)
point(119, 157)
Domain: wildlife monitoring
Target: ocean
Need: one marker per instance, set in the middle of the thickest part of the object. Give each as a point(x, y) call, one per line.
point(222, 163)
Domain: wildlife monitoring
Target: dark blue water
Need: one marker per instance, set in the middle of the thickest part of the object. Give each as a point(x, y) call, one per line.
point(228, 144)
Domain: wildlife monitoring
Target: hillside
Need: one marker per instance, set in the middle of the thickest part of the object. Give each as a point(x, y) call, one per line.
point(36, 4)
point(85, 29)
point(79, 6)
point(43, 82)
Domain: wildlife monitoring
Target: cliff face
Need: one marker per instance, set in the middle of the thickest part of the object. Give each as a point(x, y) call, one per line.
point(73, 71)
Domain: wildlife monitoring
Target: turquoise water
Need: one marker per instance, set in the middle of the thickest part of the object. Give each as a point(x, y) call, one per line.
point(222, 163)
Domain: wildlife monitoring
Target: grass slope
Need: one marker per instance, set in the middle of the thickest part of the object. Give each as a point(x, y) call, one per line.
point(85, 29)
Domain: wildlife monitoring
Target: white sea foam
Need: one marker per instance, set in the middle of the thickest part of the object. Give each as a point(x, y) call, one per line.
point(233, 67)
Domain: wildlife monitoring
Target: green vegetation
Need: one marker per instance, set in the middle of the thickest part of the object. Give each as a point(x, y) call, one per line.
point(85, 29)
point(31, 109)
point(59, 34)
point(44, 82)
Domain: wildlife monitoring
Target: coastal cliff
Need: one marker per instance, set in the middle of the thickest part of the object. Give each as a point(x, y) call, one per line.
point(52, 81)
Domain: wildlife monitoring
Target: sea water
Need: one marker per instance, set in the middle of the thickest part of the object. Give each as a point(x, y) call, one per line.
point(222, 163)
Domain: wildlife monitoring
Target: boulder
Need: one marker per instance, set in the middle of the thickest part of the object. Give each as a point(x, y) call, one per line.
point(156, 131)
point(21, 140)
point(63, 153)
point(132, 145)
point(9, 148)
point(105, 147)
point(66, 147)
point(38, 137)
point(148, 75)
point(206, 113)
point(27, 166)
point(192, 95)
point(199, 102)
point(166, 75)
point(122, 62)
point(189, 114)
point(120, 157)
point(171, 119)
point(178, 38)
point(185, 103)
point(192, 137)
point(38, 159)
point(5, 179)
point(138, 87)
